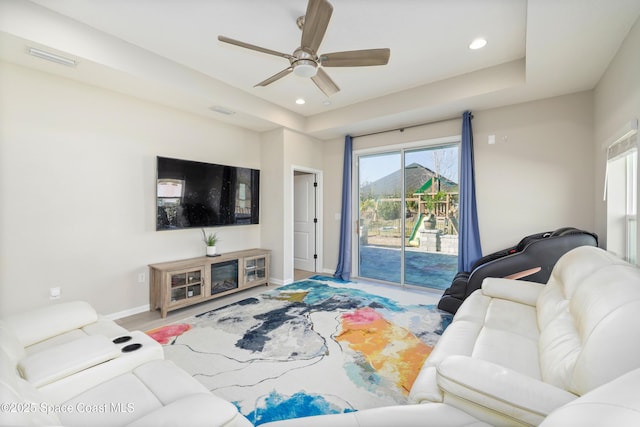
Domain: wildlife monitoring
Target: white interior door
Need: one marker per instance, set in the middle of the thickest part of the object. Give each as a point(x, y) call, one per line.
point(304, 222)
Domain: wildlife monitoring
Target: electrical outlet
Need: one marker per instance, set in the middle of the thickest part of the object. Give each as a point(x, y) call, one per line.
point(54, 293)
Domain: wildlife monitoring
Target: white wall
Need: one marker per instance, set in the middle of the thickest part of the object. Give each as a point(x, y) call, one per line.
point(272, 192)
point(539, 174)
point(77, 184)
point(333, 154)
point(617, 101)
point(282, 150)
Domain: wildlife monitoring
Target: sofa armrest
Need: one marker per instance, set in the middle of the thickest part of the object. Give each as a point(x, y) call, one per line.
point(425, 388)
point(470, 383)
point(40, 324)
point(519, 291)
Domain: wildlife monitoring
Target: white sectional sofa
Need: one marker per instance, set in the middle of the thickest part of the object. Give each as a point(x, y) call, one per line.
point(522, 354)
point(616, 403)
point(65, 365)
point(65, 349)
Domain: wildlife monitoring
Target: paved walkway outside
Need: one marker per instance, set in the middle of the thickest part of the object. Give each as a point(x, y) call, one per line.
point(430, 270)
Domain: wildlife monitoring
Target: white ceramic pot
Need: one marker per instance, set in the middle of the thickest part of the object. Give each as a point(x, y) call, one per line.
point(211, 250)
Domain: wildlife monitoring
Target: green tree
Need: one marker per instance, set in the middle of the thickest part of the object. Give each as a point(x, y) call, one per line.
point(430, 201)
point(389, 210)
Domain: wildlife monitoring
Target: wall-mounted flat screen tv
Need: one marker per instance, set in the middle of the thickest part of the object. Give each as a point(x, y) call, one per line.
point(195, 194)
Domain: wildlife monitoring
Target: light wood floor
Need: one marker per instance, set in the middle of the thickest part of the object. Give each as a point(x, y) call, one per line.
point(301, 274)
point(151, 319)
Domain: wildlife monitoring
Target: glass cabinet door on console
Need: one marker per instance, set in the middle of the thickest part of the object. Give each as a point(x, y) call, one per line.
point(255, 269)
point(186, 285)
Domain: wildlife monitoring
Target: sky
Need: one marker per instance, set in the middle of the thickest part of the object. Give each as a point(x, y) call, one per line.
point(376, 166)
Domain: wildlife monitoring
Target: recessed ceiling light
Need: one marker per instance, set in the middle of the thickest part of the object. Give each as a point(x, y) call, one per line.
point(300, 101)
point(326, 102)
point(478, 44)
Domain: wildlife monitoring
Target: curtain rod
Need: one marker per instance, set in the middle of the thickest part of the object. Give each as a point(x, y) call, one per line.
point(402, 129)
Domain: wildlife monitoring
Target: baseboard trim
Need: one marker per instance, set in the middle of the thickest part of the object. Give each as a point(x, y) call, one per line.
point(128, 312)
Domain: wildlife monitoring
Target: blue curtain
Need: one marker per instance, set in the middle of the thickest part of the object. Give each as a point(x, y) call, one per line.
point(343, 271)
point(469, 250)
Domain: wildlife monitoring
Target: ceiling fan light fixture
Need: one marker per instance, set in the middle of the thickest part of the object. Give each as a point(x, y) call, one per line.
point(305, 68)
point(305, 62)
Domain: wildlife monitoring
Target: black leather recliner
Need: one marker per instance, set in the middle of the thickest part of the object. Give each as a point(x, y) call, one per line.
point(532, 259)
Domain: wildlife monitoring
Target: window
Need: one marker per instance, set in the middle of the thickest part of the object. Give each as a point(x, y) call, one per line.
point(621, 196)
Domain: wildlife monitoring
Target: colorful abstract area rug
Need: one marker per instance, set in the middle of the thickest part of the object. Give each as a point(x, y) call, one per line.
point(317, 346)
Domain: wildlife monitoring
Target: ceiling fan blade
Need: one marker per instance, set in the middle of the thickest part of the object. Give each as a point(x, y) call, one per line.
point(253, 47)
point(275, 77)
point(324, 83)
point(356, 58)
point(316, 21)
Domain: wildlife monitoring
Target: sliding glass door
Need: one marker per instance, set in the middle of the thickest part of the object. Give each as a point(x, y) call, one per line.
point(380, 223)
point(408, 215)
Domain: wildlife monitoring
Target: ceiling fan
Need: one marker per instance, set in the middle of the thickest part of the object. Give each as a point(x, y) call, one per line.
point(305, 61)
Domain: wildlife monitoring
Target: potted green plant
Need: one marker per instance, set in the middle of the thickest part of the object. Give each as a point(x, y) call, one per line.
point(210, 240)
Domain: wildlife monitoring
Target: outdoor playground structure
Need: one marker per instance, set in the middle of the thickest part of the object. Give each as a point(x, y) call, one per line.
point(430, 220)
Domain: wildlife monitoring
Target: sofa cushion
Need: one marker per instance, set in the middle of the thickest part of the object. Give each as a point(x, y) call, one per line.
point(607, 313)
point(104, 327)
point(155, 394)
point(23, 405)
point(493, 329)
point(582, 313)
point(525, 293)
point(156, 375)
point(117, 402)
point(509, 337)
point(61, 339)
point(35, 326)
point(66, 359)
point(195, 410)
point(567, 275)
